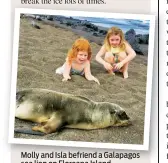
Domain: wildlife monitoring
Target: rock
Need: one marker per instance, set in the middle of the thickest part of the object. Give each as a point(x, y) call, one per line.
point(49, 17)
point(130, 37)
point(87, 29)
point(61, 22)
point(30, 16)
point(22, 15)
point(35, 25)
point(95, 34)
point(68, 23)
point(38, 18)
point(142, 39)
point(74, 26)
point(103, 32)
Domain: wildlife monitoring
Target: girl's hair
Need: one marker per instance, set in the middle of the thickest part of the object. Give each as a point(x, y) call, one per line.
point(114, 31)
point(80, 44)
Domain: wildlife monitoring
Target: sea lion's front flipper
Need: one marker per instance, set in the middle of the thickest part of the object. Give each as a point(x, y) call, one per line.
point(85, 126)
point(28, 131)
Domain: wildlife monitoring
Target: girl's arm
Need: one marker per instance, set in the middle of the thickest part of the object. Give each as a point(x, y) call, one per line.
point(88, 74)
point(99, 59)
point(131, 54)
point(66, 72)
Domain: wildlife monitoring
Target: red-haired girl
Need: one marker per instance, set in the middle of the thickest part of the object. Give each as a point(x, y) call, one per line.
point(78, 61)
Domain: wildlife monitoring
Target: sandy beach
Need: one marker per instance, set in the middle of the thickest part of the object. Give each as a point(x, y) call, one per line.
point(41, 51)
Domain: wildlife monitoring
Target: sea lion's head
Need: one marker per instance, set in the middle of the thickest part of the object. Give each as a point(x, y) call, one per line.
point(122, 119)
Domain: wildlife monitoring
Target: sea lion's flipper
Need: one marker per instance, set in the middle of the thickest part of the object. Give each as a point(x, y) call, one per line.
point(85, 126)
point(28, 131)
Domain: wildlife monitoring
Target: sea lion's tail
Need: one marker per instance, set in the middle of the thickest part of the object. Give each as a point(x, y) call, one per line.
point(28, 131)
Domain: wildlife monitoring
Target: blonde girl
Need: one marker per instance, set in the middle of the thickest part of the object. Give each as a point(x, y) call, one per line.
point(116, 51)
point(78, 61)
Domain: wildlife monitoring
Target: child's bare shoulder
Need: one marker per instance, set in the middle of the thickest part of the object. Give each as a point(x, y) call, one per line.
point(127, 44)
point(87, 62)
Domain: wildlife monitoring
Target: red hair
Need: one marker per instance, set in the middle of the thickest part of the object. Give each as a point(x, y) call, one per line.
point(80, 44)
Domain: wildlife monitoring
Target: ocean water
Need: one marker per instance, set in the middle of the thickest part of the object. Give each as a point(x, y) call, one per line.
point(140, 26)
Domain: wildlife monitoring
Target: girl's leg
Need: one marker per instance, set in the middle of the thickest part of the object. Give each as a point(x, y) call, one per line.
point(124, 69)
point(110, 59)
point(60, 70)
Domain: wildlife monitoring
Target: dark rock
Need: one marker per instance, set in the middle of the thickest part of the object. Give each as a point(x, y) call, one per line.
point(142, 39)
point(98, 34)
point(89, 25)
point(103, 32)
point(22, 15)
point(87, 29)
point(95, 34)
point(61, 22)
point(130, 37)
point(92, 26)
point(38, 17)
point(131, 32)
point(84, 28)
point(74, 26)
point(69, 23)
point(35, 25)
point(49, 17)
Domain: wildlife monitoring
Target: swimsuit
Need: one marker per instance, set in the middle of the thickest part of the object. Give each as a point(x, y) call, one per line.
point(115, 52)
point(116, 60)
point(60, 70)
point(77, 72)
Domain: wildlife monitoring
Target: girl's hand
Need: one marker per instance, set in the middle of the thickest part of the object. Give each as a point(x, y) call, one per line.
point(92, 78)
point(108, 66)
point(66, 78)
point(96, 80)
point(118, 65)
point(88, 74)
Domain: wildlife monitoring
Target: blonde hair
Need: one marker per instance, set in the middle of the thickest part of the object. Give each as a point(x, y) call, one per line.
point(80, 44)
point(114, 31)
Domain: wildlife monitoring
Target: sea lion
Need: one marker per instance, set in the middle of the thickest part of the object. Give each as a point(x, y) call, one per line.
point(55, 110)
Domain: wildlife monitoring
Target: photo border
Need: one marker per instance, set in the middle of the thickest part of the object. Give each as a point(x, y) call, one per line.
point(145, 145)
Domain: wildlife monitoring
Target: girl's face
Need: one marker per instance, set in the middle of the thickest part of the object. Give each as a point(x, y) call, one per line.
point(114, 40)
point(81, 57)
